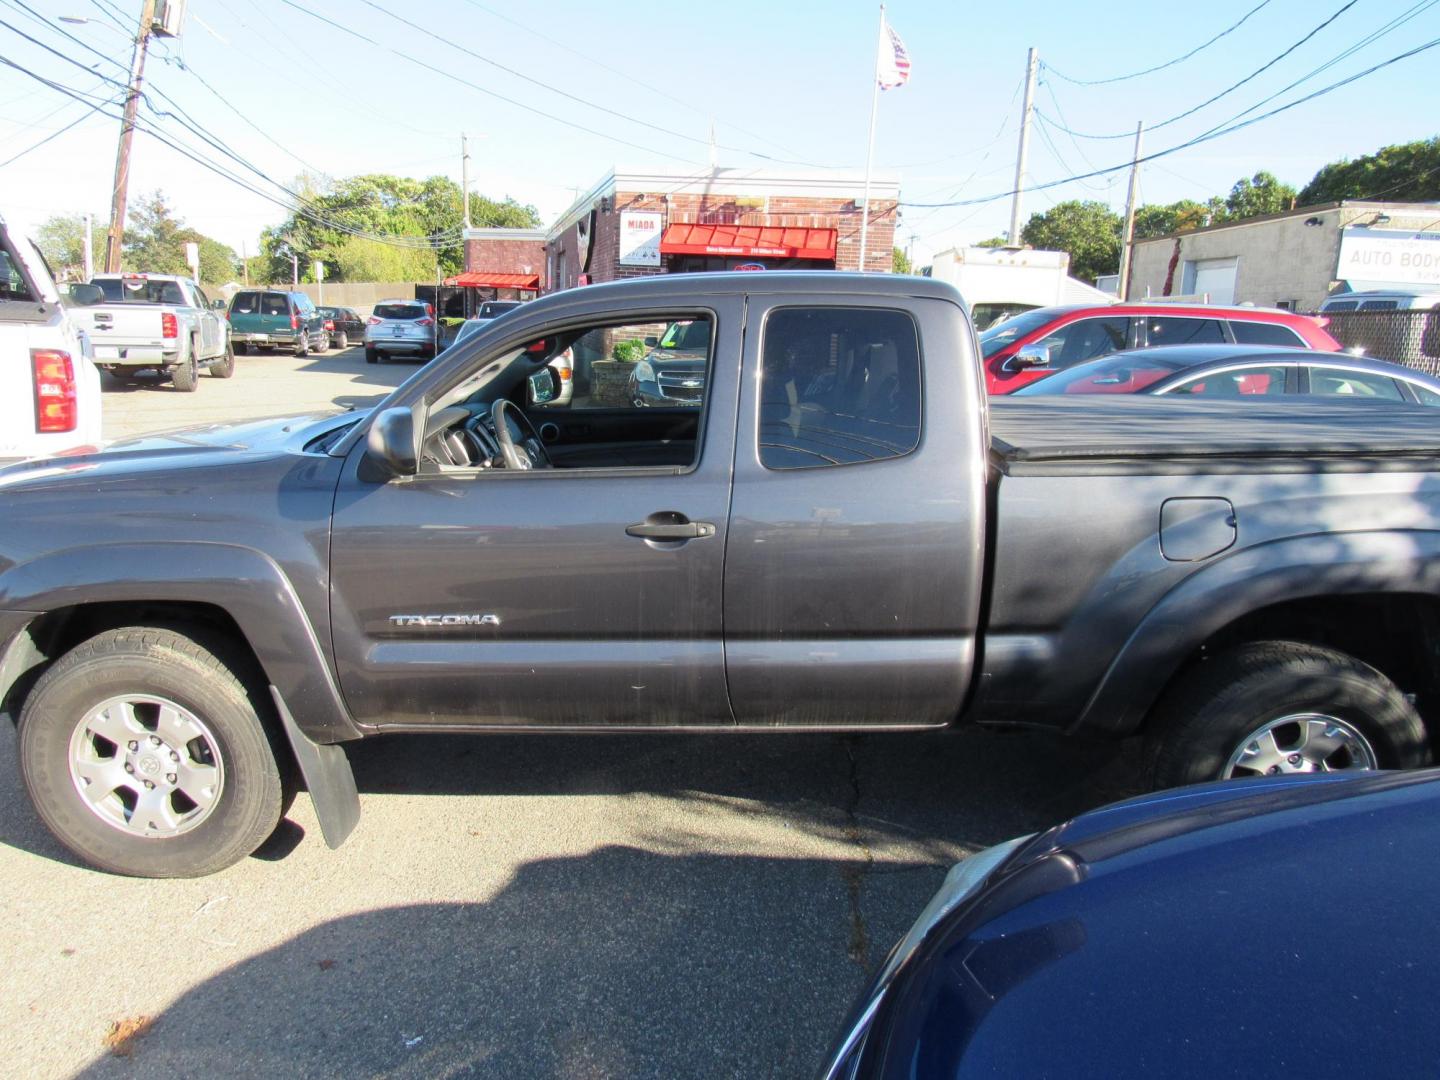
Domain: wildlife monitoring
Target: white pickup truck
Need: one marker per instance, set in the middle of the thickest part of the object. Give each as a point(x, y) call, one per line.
point(154, 322)
point(49, 389)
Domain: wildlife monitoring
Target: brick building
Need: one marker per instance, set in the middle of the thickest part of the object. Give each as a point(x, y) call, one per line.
point(637, 223)
point(508, 261)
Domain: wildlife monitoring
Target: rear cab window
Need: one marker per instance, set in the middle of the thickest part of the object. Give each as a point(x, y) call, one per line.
point(141, 290)
point(838, 386)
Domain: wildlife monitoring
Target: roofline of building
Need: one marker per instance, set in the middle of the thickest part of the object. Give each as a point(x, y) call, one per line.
point(674, 181)
point(497, 232)
point(1421, 208)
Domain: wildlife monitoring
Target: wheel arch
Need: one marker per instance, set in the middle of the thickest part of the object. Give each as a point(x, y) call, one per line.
point(1373, 595)
point(61, 598)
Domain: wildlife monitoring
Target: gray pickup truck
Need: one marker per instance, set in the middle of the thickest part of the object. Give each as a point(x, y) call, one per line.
point(843, 537)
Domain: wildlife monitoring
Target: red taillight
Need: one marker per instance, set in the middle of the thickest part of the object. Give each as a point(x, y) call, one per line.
point(55, 408)
point(374, 320)
point(424, 322)
point(294, 321)
point(329, 324)
point(565, 374)
point(169, 325)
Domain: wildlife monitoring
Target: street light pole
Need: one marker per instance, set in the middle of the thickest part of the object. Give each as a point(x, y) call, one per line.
point(127, 135)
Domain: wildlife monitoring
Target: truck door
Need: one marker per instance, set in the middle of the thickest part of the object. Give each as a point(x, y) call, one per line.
point(854, 558)
point(585, 595)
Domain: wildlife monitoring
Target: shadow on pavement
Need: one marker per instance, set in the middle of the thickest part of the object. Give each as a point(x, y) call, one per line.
point(577, 967)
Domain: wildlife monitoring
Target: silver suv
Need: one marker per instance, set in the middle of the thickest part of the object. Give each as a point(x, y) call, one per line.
point(400, 328)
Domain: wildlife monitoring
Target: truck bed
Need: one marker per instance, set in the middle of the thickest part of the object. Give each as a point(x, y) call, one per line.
point(1136, 433)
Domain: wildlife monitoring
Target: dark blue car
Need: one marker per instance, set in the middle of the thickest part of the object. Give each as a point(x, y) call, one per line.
point(1255, 928)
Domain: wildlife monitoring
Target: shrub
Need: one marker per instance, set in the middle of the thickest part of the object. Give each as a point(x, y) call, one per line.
point(628, 352)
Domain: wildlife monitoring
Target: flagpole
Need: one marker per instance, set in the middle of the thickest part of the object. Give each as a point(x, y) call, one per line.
point(870, 150)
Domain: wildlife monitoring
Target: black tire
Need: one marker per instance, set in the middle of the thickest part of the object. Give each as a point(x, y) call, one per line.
point(186, 374)
point(342, 340)
point(323, 346)
point(224, 367)
point(372, 356)
point(302, 344)
point(242, 349)
point(1210, 711)
point(198, 673)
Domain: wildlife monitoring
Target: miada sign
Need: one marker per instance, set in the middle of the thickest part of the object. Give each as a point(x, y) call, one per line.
point(1397, 255)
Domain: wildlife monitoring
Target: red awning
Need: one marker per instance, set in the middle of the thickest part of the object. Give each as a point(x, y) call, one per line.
point(748, 241)
point(484, 279)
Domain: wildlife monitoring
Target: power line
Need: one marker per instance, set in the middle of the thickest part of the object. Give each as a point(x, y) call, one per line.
point(481, 89)
point(1223, 93)
point(61, 131)
point(1208, 136)
point(1169, 63)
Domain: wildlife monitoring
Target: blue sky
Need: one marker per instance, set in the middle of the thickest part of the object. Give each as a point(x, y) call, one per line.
point(790, 80)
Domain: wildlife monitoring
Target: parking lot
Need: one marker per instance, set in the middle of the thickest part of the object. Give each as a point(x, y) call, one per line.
point(509, 906)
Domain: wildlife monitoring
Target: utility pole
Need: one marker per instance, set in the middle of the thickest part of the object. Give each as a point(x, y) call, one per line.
point(1129, 234)
point(465, 175)
point(294, 270)
point(89, 246)
point(127, 135)
point(1032, 65)
point(244, 264)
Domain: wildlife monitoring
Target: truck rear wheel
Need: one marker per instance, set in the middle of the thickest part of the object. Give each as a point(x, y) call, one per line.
point(1280, 707)
point(186, 375)
point(145, 755)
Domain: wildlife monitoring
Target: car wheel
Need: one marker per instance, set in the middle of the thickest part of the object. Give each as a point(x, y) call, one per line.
point(224, 367)
point(302, 345)
point(145, 754)
point(242, 348)
point(186, 374)
point(1282, 707)
point(322, 343)
point(371, 355)
point(342, 340)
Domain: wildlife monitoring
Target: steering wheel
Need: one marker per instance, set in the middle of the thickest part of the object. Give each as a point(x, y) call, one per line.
point(531, 454)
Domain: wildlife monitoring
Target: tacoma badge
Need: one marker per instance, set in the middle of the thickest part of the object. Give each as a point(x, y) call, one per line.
point(444, 620)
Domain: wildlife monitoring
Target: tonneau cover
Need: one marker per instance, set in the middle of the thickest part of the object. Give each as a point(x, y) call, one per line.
point(1138, 427)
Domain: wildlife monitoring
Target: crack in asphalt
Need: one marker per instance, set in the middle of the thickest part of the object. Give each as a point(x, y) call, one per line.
point(858, 947)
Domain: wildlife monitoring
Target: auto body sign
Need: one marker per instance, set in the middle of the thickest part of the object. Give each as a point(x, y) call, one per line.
point(640, 237)
point(1398, 255)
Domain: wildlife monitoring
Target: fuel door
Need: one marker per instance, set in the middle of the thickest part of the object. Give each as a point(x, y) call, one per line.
point(1196, 529)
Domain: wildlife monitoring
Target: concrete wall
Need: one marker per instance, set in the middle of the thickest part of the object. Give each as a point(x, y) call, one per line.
point(1278, 258)
point(360, 295)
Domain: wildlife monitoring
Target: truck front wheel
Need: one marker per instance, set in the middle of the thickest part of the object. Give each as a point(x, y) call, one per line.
point(145, 755)
point(1281, 707)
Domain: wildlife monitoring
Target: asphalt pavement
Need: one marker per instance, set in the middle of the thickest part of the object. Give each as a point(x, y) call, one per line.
point(512, 906)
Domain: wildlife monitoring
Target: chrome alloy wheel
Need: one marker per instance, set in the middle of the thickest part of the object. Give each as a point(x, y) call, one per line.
point(146, 766)
point(1302, 743)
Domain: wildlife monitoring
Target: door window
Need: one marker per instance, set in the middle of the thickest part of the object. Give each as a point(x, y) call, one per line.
point(1086, 339)
point(1344, 383)
point(1263, 333)
point(1175, 330)
point(653, 365)
point(1239, 382)
point(838, 386)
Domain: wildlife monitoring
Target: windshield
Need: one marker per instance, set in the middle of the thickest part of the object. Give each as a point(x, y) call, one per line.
point(1123, 373)
point(687, 335)
point(494, 308)
point(1012, 329)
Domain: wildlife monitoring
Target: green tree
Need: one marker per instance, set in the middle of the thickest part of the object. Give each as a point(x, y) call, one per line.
point(993, 242)
point(900, 262)
point(1162, 219)
point(61, 239)
point(410, 211)
point(1256, 195)
point(155, 242)
point(1405, 172)
point(1089, 231)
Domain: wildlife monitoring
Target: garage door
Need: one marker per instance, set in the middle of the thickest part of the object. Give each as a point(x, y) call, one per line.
point(1217, 278)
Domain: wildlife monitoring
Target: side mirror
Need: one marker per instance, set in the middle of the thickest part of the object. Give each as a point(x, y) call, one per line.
point(390, 444)
point(218, 305)
point(652, 341)
point(542, 387)
point(85, 295)
point(1030, 356)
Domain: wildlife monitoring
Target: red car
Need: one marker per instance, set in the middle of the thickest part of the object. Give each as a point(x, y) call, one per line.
point(1029, 346)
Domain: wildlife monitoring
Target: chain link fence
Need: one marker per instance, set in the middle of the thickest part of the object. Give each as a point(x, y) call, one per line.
point(1410, 337)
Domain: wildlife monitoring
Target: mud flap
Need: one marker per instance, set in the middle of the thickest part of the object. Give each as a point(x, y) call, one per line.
point(328, 778)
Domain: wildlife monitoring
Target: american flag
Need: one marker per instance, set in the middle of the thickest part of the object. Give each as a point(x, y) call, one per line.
point(892, 67)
